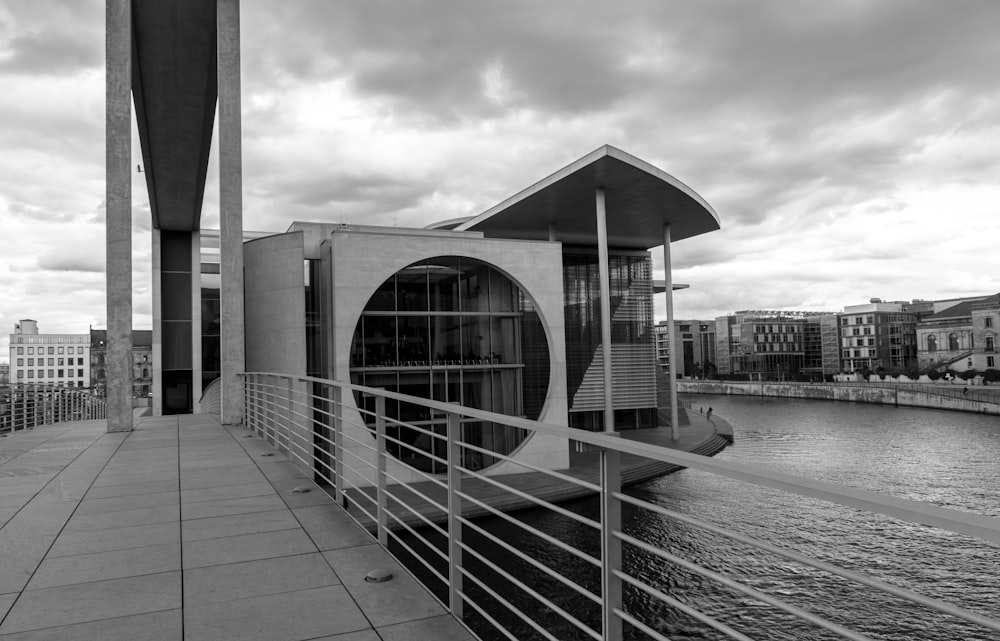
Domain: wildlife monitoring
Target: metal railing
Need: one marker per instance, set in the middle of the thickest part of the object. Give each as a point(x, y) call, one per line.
point(27, 406)
point(596, 581)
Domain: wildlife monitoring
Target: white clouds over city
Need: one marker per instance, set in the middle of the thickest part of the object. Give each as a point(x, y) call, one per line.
point(849, 148)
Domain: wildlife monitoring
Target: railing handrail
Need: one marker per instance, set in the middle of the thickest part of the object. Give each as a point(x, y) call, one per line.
point(274, 403)
point(980, 526)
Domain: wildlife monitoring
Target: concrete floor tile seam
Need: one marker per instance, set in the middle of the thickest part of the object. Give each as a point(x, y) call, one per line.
point(56, 476)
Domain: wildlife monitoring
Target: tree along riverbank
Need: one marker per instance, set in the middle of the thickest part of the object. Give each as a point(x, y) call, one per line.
point(856, 393)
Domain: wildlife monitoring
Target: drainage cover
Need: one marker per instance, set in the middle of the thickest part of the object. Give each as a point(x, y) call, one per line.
point(381, 575)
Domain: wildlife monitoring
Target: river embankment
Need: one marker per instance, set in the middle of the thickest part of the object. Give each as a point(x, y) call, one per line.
point(898, 396)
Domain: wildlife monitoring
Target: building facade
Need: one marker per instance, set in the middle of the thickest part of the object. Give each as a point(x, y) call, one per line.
point(877, 336)
point(961, 337)
point(762, 344)
point(142, 362)
point(697, 340)
point(48, 359)
point(528, 309)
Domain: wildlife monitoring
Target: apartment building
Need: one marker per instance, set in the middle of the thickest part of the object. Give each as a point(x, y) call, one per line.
point(48, 359)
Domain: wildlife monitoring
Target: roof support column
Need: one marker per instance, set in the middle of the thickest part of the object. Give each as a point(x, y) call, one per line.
point(118, 208)
point(672, 344)
point(604, 272)
point(232, 341)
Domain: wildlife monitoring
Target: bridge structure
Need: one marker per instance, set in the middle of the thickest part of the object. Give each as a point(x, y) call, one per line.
point(187, 529)
point(94, 496)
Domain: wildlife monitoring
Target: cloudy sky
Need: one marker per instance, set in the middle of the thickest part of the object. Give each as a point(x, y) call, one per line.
point(851, 148)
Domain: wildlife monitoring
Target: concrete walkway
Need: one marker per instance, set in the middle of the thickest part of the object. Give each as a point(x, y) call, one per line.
point(184, 530)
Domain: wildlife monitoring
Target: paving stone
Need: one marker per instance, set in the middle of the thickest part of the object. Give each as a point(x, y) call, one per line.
point(127, 502)
point(150, 487)
point(66, 605)
point(257, 578)
point(291, 616)
point(246, 548)
point(330, 527)
point(259, 488)
point(167, 625)
point(123, 518)
point(440, 628)
point(19, 556)
point(70, 543)
point(394, 601)
point(236, 524)
point(101, 566)
point(228, 507)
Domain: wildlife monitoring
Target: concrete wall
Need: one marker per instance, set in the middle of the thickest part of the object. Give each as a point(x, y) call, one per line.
point(363, 260)
point(275, 305)
point(851, 393)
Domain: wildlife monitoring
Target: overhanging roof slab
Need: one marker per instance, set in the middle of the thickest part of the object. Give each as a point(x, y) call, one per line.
point(639, 200)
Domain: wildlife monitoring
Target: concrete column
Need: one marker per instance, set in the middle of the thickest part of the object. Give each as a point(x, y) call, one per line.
point(674, 345)
point(231, 211)
point(552, 232)
point(118, 208)
point(196, 365)
point(604, 272)
point(157, 326)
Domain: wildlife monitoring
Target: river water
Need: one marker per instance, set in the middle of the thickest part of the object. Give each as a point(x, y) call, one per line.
point(948, 459)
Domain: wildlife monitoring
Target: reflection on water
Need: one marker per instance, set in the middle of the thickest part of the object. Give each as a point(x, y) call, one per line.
point(945, 458)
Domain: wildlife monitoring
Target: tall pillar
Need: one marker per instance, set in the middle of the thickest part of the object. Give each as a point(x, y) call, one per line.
point(232, 348)
point(604, 272)
point(676, 349)
point(157, 325)
point(118, 208)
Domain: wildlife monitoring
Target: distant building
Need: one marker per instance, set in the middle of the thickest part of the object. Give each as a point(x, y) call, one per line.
point(142, 361)
point(762, 344)
point(961, 337)
point(697, 339)
point(49, 359)
point(822, 346)
point(4, 373)
point(878, 335)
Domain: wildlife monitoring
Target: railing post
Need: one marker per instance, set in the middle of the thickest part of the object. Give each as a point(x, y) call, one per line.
point(454, 512)
point(611, 545)
point(289, 408)
point(380, 462)
point(338, 446)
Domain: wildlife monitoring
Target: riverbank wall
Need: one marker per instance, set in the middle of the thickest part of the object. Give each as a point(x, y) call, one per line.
point(899, 397)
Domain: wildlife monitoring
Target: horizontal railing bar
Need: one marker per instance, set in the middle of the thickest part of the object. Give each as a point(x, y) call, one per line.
point(747, 590)
point(483, 613)
point(532, 561)
point(982, 527)
point(566, 616)
point(679, 605)
point(427, 522)
point(903, 593)
point(443, 556)
point(433, 502)
point(594, 487)
point(579, 518)
point(530, 530)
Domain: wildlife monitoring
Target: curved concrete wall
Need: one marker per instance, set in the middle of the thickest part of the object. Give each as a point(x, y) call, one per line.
point(361, 260)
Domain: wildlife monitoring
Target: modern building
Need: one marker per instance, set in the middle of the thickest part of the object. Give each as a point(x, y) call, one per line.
point(541, 306)
point(766, 344)
point(49, 359)
point(879, 335)
point(961, 337)
point(697, 340)
point(142, 362)
point(822, 347)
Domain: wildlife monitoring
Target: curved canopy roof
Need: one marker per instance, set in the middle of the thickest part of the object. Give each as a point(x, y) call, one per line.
point(639, 200)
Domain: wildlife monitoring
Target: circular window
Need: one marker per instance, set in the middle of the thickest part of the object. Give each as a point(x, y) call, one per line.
point(455, 330)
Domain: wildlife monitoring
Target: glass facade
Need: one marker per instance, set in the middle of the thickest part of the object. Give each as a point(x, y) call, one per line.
point(631, 293)
point(454, 330)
